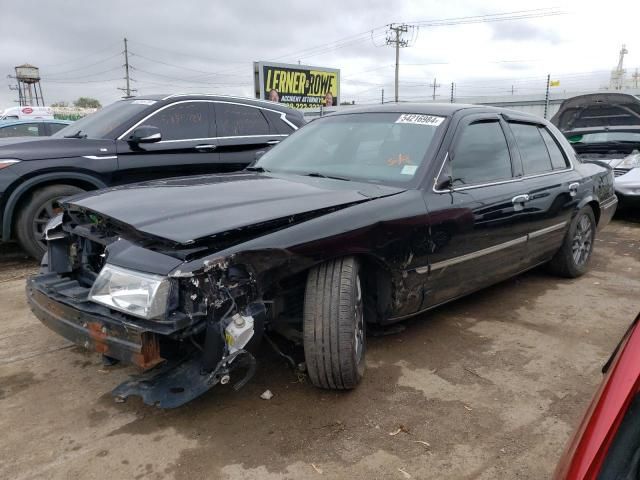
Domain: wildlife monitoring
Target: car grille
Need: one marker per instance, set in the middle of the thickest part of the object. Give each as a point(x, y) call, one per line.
point(620, 171)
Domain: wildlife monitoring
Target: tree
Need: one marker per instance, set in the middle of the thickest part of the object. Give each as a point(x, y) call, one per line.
point(87, 102)
point(61, 103)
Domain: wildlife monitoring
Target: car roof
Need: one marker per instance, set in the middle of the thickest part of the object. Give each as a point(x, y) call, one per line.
point(210, 96)
point(441, 109)
point(5, 123)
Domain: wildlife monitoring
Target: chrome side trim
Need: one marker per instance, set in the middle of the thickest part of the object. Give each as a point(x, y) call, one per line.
point(100, 157)
point(500, 182)
point(283, 115)
point(177, 95)
point(609, 203)
point(544, 231)
point(472, 255)
point(409, 315)
point(486, 251)
point(221, 138)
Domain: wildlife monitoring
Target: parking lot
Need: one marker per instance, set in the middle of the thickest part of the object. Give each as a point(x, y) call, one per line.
point(490, 386)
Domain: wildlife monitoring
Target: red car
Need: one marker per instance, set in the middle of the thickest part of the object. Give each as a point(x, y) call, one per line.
point(607, 443)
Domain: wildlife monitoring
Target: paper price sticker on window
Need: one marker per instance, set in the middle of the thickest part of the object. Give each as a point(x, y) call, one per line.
point(418, 119)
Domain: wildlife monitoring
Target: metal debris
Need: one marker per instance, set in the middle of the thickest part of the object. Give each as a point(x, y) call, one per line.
point(266, 395)
point(404, 473)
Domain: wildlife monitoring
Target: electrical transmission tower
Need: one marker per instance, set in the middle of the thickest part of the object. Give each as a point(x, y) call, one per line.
point(395, 38)
point(127, 89)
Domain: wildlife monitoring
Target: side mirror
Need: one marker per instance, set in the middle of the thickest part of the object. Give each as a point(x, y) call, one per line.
point(146, 134)
point(444, 181)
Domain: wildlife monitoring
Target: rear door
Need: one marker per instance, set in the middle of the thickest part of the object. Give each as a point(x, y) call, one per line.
point(243, 131)
point(551, 187)
point(478, 235)
point(188, 145)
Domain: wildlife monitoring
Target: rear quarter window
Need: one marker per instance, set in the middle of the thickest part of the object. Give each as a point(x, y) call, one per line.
point(276, 124)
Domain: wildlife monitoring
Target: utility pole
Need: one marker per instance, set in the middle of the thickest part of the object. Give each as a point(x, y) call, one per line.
point(511, 90)
point(127, 90)
point(434, 85)
point(382, 99)
point(546, 97)
point(452, 87)
point(396, 39)
point(635, 77)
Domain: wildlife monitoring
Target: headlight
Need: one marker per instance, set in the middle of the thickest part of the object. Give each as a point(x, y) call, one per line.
point(136, 293)
point(630, 161)
point(5, 162)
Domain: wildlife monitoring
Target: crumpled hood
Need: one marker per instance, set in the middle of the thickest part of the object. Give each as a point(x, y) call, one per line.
point(187, 209)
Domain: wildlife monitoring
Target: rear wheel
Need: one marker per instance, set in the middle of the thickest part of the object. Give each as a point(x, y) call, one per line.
point(334, 326)
point(572, 260)
point(36, 212)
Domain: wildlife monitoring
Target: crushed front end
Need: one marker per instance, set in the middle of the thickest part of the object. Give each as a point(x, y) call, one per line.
point(105, 287)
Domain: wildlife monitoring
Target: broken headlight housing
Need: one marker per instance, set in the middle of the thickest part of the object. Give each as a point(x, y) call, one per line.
point(140, 294)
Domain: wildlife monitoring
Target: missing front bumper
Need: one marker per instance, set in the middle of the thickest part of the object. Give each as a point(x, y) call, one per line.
point(95, 332)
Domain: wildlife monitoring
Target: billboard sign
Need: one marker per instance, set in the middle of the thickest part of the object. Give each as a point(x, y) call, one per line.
point(297, 86)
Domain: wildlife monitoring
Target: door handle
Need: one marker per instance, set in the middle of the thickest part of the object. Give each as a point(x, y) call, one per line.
point(520, 198)
point(573, 188)
point(519, 201)
point(273, 142)
point(205, 147)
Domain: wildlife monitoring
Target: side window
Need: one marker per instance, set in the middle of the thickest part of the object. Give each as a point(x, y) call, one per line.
point(558, 161)
point(20, 130)
point(182, 121)
point(237, 120)
point(481, 155)
point(276, 123)
point(54, 127)
point(533, 150)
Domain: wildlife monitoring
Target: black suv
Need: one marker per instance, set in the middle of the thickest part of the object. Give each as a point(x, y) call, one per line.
point(142, 138)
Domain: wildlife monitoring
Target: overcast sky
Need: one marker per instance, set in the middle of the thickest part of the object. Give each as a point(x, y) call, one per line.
point(208, 46)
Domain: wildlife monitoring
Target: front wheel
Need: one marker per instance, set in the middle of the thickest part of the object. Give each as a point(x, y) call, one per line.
point(334, 325)
point(572, 260)
point(36, 212)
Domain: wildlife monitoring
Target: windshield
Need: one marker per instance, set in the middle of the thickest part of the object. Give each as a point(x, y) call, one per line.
point(101, 123)
point(372, 147)
point(605, 137)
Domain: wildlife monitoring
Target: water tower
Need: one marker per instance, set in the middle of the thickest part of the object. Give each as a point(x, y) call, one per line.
point(28, 78)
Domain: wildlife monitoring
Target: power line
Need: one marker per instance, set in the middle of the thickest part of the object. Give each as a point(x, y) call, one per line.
point(86, 66)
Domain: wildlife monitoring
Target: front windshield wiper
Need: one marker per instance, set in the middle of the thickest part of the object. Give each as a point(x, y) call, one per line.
point(322, 175)
point(78, 134)
point(257, 169)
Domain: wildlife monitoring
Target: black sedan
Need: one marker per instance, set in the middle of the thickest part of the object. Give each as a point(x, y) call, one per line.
point(360, 218)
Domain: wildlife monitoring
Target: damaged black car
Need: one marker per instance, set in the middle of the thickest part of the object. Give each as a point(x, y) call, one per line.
point(356, 221)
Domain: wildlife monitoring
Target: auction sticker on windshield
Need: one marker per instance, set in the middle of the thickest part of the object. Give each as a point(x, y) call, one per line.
point(418, 119)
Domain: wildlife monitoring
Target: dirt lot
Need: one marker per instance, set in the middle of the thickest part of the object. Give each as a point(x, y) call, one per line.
point(487, 387)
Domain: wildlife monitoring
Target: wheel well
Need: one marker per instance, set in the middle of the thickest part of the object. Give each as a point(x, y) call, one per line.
point(24, 196)
point(595, 206)
point(377, 288)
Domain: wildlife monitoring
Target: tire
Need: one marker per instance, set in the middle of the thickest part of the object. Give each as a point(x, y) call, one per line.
point(35, 212)
point(573, 257)
point(334, 334)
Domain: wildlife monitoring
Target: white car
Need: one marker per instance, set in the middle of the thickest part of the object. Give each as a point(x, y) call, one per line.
point(27, 113)
point(605, 127)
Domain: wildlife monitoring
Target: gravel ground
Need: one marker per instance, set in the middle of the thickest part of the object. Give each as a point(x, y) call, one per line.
point(487, 387)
